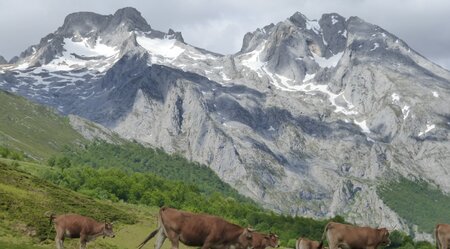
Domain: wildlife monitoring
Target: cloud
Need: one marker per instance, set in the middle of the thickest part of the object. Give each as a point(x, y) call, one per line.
point(220, 25)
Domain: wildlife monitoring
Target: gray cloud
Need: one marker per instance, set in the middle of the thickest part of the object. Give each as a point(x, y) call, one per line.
point(220, 25)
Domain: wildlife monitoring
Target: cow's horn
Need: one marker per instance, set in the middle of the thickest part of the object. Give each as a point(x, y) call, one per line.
point(251, 229)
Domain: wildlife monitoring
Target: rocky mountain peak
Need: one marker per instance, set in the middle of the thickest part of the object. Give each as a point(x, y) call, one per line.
point(130, 17)
point(176, 35)
point(3, 60)
point(298, 19)
point(83, 23)
point(334, 31)
point(88, 23)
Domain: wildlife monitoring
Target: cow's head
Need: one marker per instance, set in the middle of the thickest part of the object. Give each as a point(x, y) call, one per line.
point(273, 240)
point(245, 240)
point(383, 234)
point(108, 230)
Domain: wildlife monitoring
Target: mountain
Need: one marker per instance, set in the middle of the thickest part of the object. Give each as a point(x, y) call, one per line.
point(310, 117)
point(3, 60)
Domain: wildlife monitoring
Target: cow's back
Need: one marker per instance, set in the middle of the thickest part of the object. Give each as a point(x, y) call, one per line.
point(73, 225)
point(352, 236)
point(341, 233)
point(193, 229)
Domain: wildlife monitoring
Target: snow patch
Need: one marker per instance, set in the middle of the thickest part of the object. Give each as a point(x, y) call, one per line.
point(375, 46)
point(334, 20)
point(83, 48)
point(254, 61)
point(395, 97)
point(224, 76)
point(283, 83)
point(313, 25)
point(166, 48)
point(70, 60)
point(23, 66)
point(330, 62)
point(309, 77)
point(429, 128)
point(405, 111)
point(362, 125)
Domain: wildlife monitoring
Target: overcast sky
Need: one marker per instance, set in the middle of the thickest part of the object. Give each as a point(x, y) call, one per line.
point(219, 25)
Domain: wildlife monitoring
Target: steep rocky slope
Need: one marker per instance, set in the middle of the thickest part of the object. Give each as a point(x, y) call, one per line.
point(308, 118)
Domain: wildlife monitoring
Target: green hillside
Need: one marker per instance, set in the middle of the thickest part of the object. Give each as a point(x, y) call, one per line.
point(417, 202)
point(37, 130)
point(137, 158)
point(25, 198)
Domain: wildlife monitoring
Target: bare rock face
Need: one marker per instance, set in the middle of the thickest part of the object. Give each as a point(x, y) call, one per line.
point(308, 118)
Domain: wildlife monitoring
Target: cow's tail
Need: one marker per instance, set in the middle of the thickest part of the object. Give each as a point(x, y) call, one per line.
point(324, 235)
point(51, 216)
point(149, 237)
point(152, 234)
point(436, 236)
point(297, 243)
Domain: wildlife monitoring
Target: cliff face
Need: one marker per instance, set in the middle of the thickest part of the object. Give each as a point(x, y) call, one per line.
point(307, 119)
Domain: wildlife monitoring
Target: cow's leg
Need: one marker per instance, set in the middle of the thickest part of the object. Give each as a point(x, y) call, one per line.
point(160, 238)
point(174, 239)
point(207, 244)
point(59, 243)
point(83, 241)
point(444, 244)
point(438, 243)
point(82, 244)
point(175, 242)
point(59, 239)
point(332, 244)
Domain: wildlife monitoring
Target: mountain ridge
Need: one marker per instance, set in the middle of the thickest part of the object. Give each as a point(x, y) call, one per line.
point(307, 118)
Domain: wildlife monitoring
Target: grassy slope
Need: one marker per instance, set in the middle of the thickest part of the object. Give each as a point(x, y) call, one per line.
point(32, 128)
point(140, 159)
point(417, 202)
point(24, 199)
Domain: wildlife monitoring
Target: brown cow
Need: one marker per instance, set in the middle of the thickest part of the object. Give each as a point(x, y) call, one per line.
point(200, 230)
point(77, 226)
point(304, 243)
point(261, 241)
point(442, 233)
point(353, 237)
